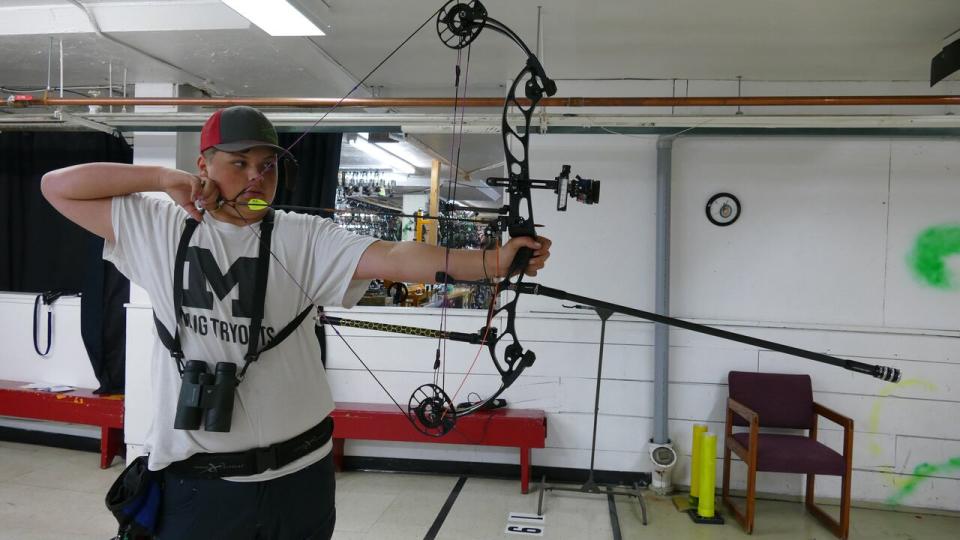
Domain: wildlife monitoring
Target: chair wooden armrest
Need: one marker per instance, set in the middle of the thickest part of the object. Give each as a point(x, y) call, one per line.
point(743, 411)
point(749, 456)
point(840, 527)
point(832, 415)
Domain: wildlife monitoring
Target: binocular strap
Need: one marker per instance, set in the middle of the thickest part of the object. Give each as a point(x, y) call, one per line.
point(172, 341)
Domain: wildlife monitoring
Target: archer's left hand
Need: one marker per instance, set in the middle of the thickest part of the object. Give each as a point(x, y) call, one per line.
point(541, 252)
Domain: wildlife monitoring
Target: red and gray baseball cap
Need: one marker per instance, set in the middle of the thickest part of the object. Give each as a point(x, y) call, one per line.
point(239, 128)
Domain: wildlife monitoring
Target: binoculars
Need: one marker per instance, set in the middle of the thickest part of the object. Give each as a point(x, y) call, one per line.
point(207, 394)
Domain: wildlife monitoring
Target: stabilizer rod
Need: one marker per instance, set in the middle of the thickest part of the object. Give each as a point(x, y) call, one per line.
point(880, 372)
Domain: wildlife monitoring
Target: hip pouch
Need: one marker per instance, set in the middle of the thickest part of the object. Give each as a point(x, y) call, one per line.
point(134, 500)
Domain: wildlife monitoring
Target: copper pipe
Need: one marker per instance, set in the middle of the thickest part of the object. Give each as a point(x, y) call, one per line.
point(746, 101)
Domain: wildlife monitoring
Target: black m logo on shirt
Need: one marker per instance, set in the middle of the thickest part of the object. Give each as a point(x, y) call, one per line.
point(203, 269)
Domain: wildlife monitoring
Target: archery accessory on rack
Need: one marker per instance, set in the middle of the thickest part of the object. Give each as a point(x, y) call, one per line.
point(398, 291)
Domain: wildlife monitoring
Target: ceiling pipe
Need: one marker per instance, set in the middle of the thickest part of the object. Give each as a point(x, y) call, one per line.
point(417, 123)
point(744, 101)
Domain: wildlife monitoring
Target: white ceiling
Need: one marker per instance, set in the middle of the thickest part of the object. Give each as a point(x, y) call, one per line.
point(206, 44)
point(659, 39)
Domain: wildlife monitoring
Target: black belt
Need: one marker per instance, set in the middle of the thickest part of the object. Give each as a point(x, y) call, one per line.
point(256, 460)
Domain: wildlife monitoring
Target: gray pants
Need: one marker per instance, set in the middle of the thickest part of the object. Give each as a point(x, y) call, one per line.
point(297, 506)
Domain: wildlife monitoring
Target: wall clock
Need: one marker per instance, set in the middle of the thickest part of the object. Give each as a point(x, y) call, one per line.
point(723, 209)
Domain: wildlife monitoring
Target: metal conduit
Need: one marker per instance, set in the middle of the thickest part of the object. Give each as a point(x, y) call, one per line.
point(744, 101)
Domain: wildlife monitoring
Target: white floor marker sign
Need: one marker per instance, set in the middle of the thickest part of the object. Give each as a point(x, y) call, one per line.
point(525, 524)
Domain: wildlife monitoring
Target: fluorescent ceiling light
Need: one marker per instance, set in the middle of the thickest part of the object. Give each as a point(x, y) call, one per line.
point(381, 155)
point(275, 17)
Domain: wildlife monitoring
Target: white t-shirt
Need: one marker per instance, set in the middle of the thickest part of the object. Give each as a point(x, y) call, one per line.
point(285, 392)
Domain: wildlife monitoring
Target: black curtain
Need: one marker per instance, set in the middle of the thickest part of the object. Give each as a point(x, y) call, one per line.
point(40, 250)
point(318, 159)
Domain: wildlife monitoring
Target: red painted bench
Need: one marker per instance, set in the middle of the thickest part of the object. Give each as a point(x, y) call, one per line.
point(80, 406)
point(518, 428)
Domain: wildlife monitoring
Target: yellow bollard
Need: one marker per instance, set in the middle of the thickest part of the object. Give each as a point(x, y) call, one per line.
point(708, 474)
point(698, 431)
point(705, 511)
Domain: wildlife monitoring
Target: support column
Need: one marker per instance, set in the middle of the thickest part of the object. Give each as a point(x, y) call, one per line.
point(661, 336)
point(433, 226)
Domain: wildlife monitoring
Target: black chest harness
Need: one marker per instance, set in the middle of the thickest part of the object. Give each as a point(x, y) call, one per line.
point(172, 343)
point(256, 460)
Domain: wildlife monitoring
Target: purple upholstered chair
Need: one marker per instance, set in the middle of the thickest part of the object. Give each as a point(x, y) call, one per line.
point(776, 400)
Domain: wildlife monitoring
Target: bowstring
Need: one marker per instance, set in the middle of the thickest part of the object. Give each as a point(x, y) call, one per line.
point(451, 183)
point(365, 77)
point(344, 97)
point(486, 332)
point(457, 143)
point(320, 313)
point(456, 146)
point(232, 204)
point(458, 137)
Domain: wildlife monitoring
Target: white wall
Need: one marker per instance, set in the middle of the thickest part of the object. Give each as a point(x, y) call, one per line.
point(817, 260)
point(67, 362)
point(821, 250)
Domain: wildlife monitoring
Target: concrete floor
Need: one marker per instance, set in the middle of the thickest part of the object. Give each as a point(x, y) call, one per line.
point(52, 493)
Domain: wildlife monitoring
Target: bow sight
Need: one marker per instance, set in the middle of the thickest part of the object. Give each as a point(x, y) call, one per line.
point(582, 190)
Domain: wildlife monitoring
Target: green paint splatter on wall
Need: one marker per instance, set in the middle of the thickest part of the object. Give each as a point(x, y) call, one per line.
point(927, 260)
point(920, 473)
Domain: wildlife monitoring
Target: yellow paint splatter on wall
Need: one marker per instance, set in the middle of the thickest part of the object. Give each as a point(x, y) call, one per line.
point(905, 485)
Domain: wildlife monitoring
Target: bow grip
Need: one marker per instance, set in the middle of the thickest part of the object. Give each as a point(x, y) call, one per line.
point(520, 261)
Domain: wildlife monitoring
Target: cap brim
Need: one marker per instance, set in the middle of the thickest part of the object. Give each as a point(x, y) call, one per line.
point(239, 146)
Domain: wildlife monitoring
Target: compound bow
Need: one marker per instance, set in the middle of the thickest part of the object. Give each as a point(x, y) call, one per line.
point(431, 409)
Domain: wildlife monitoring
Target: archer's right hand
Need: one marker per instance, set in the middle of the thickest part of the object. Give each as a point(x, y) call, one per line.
point(194, 193)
